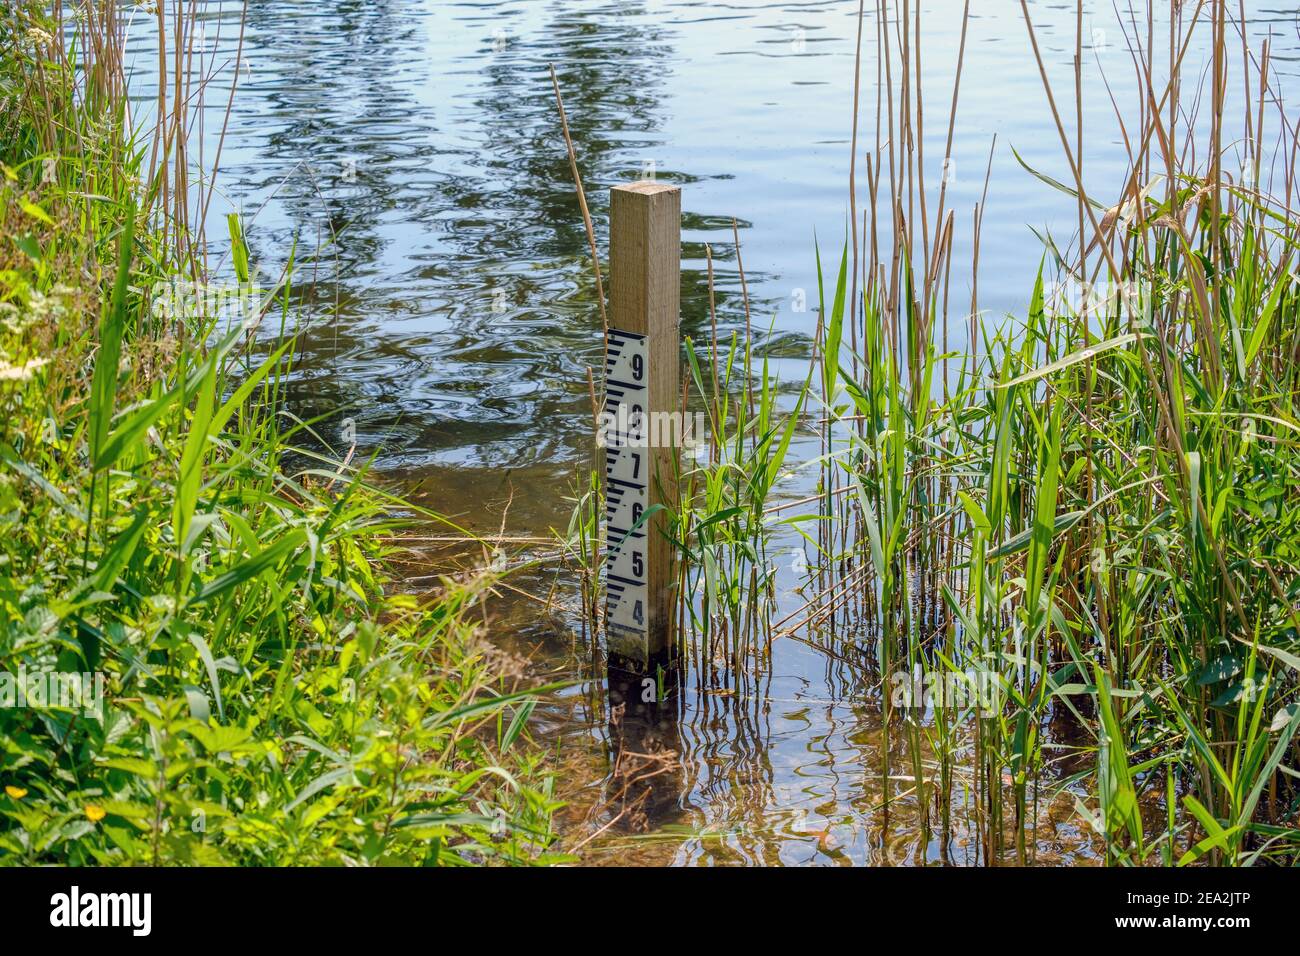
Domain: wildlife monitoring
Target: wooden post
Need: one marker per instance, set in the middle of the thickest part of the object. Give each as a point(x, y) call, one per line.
point(641, 422)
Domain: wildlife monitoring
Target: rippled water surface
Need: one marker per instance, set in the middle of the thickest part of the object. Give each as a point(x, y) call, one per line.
point(412, 150)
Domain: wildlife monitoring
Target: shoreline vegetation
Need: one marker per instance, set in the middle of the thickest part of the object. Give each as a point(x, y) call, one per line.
point(257, 688)
point(1089, 517)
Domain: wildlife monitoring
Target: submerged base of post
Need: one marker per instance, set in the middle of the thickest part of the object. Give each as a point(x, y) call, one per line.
point(645, 695)
point(644, 674)
point(644, 738)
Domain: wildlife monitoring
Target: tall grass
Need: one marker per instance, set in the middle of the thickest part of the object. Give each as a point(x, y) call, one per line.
point(270, 697)
point(1096, 506)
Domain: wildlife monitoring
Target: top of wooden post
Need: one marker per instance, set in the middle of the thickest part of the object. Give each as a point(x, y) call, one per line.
point(647, 187)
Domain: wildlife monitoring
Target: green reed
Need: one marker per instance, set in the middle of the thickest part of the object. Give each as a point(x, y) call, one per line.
point(1088, 506)
point(722, 525)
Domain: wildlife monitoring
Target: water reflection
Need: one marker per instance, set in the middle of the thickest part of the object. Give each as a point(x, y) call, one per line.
point(422, 144)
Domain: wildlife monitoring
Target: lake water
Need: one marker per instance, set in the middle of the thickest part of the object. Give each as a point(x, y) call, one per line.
point(414, 147)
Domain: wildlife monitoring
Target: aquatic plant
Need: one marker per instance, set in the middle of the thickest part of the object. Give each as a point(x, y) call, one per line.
point(1092, 506)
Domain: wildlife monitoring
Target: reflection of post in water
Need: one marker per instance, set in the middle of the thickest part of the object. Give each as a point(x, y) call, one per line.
point(641, 465)
point(645, 779)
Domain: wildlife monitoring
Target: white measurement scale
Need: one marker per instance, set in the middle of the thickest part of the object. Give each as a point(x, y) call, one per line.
point(627, 466)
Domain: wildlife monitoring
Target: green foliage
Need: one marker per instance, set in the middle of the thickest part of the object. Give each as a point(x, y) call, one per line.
point(268, 697)
point(1094, 498)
